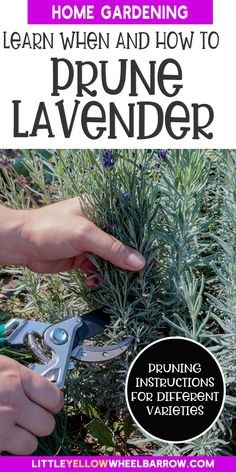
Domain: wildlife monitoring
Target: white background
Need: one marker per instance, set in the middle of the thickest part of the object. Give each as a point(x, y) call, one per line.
point(209, 76)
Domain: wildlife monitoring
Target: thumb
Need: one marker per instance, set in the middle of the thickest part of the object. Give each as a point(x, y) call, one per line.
point(97, 242)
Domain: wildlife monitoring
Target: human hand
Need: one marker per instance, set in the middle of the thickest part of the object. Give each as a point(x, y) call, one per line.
point(58, 238)
point(27, 405)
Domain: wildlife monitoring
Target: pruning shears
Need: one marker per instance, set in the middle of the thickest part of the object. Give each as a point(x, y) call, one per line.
point(55, 346)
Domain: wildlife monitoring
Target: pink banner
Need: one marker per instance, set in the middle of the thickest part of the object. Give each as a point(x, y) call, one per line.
point(120, 12)
point(139, 463)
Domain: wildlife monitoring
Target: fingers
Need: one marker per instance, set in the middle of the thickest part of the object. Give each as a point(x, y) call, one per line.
point(39, 422)
point(88, 268)
point(93, 282)
point(60, 265)
point(27, 402)
point(50, 267)
point(96, 241)
point(21, 442)
point(41, 391)
point(83, 263)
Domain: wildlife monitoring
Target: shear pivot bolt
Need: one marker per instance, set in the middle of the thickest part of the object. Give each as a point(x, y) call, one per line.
point(59, 336)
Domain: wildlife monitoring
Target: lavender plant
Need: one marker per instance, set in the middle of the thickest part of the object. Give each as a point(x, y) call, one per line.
point(178, 209)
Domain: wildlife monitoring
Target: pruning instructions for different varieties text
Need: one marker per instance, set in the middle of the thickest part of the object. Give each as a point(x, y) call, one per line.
point(90, 85)
point(173, 382)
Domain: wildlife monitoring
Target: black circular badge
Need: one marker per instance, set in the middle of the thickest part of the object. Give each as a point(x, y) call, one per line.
point(175, 390)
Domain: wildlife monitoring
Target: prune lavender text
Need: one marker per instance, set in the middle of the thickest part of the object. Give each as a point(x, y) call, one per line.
point(93, 119)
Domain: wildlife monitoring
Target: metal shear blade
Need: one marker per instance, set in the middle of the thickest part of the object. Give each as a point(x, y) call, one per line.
point(94, 323)
point(100, 354)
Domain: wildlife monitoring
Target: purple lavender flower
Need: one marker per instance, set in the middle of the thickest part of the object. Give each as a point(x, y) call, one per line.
point(125, 194)
point(234, 168)
point(21, 180)
point(5, 152)
point(6, 163)
point(162, 154)
point(107, 161)
point(11, 153)
point(112, 222)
